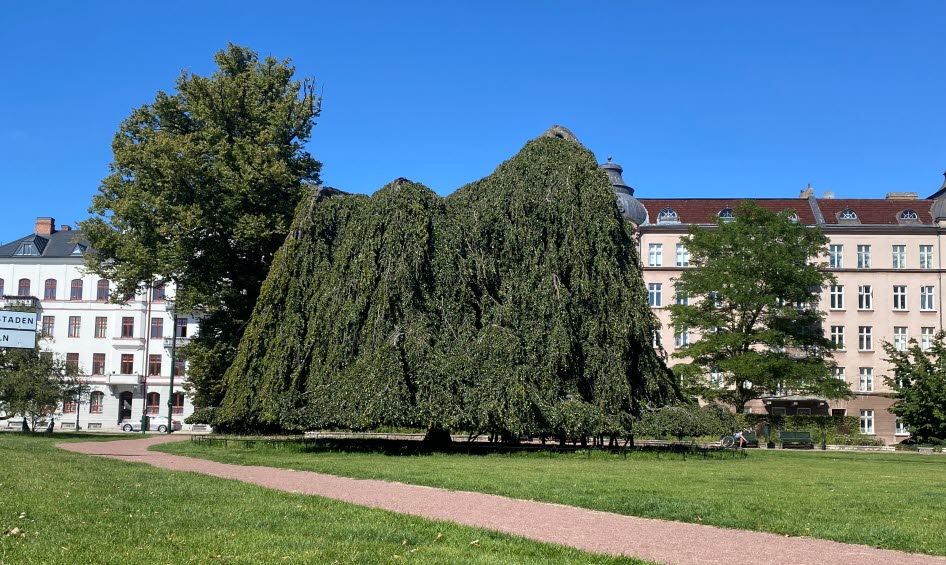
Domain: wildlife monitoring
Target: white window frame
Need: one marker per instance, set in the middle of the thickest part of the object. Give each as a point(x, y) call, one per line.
point(866, 381)
point(683, 256)
point(900, 297)
point(655, 255)
point(840, 374)
point(863, 256)
point(898, 256)
point(865, 297)
point(900, 338)
point(926, 256)
point(682, 338)
point(899, 428)
point(926, 337)
point(836, 256)
point(927, 295)
point(837, 297)
point(654, 294)
point(867, 422)
point(837, 336)
point(865, 338)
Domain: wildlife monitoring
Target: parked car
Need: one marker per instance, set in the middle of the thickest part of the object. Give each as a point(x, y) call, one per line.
point(157, 424)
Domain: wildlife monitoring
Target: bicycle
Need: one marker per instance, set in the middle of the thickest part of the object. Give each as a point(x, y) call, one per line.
point(727, 441)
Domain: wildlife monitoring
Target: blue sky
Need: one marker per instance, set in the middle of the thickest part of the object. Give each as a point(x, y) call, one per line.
point(694, 99)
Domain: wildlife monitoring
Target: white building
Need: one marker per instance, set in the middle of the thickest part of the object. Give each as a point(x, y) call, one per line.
point(123, 351)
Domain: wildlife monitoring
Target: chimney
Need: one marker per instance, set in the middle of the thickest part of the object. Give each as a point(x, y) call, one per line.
point(903, 195)
point(64, 227)
point(807, 193)
point(45, 226)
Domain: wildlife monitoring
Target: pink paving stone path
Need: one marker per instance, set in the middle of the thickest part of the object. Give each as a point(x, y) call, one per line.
point(588, 530)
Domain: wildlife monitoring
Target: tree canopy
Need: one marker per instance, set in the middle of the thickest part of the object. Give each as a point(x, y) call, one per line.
point(918, 383)
point(33, 382)
point(752, 295)
point(202, 190)
point(513, 306)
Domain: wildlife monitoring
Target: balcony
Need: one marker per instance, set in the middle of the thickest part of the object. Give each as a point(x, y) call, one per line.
point(122, 380)
point(8, 301)
point(181, 342)
point(128, 342)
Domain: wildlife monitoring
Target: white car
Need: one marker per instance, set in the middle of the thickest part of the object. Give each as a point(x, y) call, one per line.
point(157, 424)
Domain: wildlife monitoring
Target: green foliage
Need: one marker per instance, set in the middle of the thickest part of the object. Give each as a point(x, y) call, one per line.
point(753, 298)
point(33, 383)
point(514, 306)
point(684, 421)
point(919, 385)
point(836, 430)
point(202, 190)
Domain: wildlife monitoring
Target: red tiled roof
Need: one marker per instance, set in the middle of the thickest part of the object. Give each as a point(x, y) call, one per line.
point(704, 210)
point(874, 210)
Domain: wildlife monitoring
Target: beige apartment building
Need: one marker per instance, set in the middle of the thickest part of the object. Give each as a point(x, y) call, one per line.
point(887, 255)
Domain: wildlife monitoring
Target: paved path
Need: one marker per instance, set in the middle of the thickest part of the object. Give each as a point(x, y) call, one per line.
point(589, 530)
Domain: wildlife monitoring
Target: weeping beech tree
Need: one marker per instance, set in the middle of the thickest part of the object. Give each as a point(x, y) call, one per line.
point(513, 306)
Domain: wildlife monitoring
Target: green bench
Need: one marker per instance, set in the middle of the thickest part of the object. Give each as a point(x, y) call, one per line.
point(796, 439)
point(751, 439)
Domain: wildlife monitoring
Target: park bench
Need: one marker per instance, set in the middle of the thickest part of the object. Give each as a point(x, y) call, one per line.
point(751, 439)
point(796, 439)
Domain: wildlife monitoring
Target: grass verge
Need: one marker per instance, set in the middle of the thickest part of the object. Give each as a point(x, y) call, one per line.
point(74, 508)
point(893, 501)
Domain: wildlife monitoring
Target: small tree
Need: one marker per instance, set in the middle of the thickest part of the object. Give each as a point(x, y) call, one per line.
point(919, 385)
point(680, 422)
point(753, 296)
point(33, 383)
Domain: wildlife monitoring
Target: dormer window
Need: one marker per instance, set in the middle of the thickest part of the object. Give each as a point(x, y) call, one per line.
point(79, 249)
point(668, 216)
point(727, 215)
point(908, 216)
point(26, 249)
point(847, 214)
point(793, 218)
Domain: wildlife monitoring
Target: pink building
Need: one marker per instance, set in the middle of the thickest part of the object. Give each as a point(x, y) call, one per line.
point(887, 255)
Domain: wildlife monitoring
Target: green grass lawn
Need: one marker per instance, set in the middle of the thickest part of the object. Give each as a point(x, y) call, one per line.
point(895, 501)
point(74, 508)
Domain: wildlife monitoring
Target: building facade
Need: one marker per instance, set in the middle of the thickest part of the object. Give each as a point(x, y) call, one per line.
point(122, 350)
point(886, 254)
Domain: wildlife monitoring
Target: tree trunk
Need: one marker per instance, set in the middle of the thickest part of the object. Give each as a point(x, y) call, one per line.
point(437, 436)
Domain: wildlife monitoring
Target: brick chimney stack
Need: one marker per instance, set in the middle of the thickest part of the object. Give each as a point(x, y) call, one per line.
point(45, 226)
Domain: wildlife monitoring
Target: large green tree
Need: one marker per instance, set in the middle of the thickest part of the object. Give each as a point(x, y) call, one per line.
point(33, 383)
point(752, 297)
point(513, 306)
point(202, 190)
point(919, 385)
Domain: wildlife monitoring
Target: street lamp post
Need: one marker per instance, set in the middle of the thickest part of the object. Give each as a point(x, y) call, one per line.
point(173, 367)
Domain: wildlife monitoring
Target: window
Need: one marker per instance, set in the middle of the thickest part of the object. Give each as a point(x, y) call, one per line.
point(715, 377)
point(847, 214)
point(655, 255)
point(900, 428)
point(683, 256)
point(714, 296)
point(177, 403)
point(865, 297)
point(154, 365)
point(1, 287)
point(908, 215)
point(863, 256)
point(157, 292)
point(793, 217)
point(128, 326)
point(128, 364)
point(899, 297)
point(26, 248)
point(778, 410)
point(899, 258)
point(926, 256)
point(69, 405)
point(803, 411)
point(101, 290)
point(926, 298)
point(98, 363)
point(839, 411)
point(837, 297)
point(181, 326)
point(157, 328)
point(837, 336)
point(867, 421)
point(49, 325)
point(101, 325)
point(75, 323)
point(926, 338)
point(865, 338)
point(153, 404)
point(836, 256)
point(682, 298)
point(727, 214)
point(49, 292)
point(653, 294)
point(75, 290)
point(179, 363)
point(96, 400)
point(668, 216)
point(867, 379)
point(682, 339)
point(839, 373)
point(24, 289)
point(72, 362)
point(900, 338)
